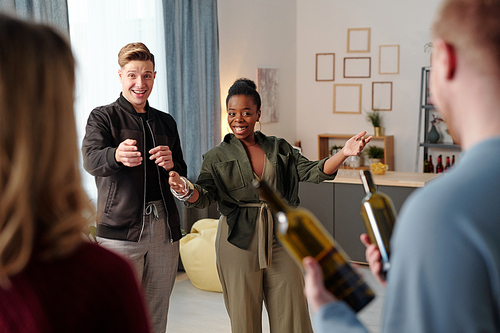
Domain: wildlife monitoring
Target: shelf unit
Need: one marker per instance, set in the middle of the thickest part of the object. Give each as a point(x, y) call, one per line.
point(425, 110)
point(387, 141)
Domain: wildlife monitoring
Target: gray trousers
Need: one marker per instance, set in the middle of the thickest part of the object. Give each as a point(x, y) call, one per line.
point(154, 260)
point(245, 287)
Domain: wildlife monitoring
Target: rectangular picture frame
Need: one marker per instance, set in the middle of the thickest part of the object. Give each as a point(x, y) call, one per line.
point(268, 88)
point(358, 40)
point(388, 59)
point(357, 67)
point(347, 98)
point(381, 96)
point(325, 67)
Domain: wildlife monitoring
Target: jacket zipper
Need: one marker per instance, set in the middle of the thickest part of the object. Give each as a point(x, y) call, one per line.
point(144, 195)
point(161, 189)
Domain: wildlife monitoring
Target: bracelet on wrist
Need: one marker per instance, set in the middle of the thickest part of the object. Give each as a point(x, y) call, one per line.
point(188, 186)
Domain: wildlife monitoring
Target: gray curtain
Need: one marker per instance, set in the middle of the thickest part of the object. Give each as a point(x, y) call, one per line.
point(191, 32)
point(192, 42)
point(51, 12)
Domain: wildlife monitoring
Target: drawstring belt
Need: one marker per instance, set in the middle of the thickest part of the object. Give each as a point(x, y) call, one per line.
point(151, 208)
point(265, 242)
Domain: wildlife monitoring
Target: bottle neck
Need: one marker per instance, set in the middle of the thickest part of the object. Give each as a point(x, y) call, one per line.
point(367, 180)
point(276, 203)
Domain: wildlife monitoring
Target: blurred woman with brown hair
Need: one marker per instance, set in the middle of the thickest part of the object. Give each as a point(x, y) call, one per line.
point(51, 280)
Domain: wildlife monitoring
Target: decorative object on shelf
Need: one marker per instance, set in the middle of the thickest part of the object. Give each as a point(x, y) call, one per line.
point(335, 149)
point(433, 135)
point(375, 119)
point(376, 154)
point(428, 48)
point(379, 168)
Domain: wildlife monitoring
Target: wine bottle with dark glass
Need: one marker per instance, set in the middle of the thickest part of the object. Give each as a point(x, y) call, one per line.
point(448, 165)
point(439, 165)
point(431, 166)
point(427, 166)
point(379, 215)
point(303, 235)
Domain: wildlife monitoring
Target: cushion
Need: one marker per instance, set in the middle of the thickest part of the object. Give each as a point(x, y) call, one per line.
point(197, 251)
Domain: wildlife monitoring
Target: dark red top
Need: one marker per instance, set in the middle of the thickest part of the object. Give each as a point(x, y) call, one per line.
point(93, 290)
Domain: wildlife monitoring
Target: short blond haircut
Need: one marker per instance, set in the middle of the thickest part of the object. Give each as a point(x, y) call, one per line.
point(134, 51)
point(473, 28)
point(42, 203)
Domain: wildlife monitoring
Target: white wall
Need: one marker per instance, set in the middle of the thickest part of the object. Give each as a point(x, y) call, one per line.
point(260, 34)
point(287, 34)
point(322, 28)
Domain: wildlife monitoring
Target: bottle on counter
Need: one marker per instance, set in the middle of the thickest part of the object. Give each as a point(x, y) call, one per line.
point(452, 159)
point(379, 215)
point(427, 165)
point(439, 165)
point(303, 235)
point(431, 166)
point(448, 165)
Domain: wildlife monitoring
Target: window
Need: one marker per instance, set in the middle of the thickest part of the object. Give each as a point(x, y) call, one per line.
point(98, 30)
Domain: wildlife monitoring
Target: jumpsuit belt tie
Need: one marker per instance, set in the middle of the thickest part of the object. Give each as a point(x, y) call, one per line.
point(264, 233)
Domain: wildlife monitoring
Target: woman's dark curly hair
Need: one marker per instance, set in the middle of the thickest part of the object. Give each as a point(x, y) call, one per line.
point(245, 87)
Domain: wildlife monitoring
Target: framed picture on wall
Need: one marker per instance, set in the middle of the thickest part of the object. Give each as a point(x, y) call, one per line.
point(325, 66)
point(357, 67)
point(358, 40)
point(268, 88)
point(388, 59)
point(382, 96)
point(347, 98)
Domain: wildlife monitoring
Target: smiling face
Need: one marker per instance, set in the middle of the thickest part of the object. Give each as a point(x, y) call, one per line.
point(137, 78)
point(242, 114)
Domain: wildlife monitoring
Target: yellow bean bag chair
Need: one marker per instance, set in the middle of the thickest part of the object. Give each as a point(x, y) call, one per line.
point(197, 251)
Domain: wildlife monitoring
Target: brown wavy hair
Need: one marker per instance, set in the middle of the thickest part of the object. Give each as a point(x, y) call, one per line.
point(42, 203)
point(134, 51)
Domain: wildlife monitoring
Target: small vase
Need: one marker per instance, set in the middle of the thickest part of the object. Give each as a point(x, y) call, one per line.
point(433, 135)
point(376, 131)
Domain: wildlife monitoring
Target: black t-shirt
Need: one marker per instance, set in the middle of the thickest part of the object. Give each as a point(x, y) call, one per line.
point(152, 181)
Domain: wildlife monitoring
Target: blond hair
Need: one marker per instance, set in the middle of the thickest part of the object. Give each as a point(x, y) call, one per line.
point(41, 196)
point(134, 51)
point(473, 28)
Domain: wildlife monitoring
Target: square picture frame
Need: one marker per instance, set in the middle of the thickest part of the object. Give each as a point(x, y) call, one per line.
point(347, 98)
point(358, 40)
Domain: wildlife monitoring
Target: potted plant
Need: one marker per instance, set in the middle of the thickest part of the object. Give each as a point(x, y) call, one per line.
point(376, 154)
point(375, 119)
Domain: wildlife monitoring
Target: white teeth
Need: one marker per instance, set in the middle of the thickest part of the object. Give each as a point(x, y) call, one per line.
point(139, 91)
point(240, 129)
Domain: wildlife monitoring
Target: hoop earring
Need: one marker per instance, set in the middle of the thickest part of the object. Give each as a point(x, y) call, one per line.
point(258, 121)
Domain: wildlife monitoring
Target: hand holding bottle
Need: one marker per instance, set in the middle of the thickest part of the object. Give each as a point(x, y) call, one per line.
point(373, 258)
point(315, 289)
point(303, 235)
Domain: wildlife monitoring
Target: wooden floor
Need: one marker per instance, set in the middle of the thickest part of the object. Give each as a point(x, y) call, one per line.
point(193, 310)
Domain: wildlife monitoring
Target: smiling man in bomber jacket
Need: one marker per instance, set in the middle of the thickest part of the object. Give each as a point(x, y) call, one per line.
point(130, 147)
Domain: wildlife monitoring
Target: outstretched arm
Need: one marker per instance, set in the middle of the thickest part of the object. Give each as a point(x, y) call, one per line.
point(353, 147)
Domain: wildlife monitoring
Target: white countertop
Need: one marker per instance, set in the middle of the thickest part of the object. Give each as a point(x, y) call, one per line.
point(390, 178)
